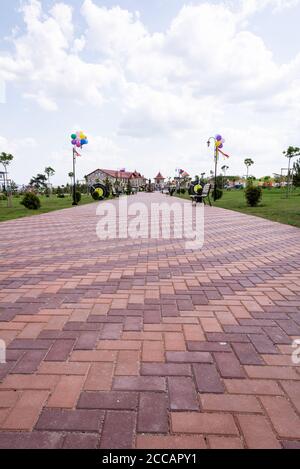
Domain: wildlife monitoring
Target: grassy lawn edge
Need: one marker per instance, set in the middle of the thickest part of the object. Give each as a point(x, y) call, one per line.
point(51, 204)
point(274, 205)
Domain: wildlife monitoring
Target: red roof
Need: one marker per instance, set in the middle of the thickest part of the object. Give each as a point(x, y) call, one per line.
point(159, 176)
point(119, 174)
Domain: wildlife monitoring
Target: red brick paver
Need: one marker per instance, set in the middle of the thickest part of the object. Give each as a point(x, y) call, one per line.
point(143, 343)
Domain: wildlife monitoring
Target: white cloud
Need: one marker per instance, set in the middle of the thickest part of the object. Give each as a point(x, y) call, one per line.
point(112, 31)
point(250, 7)
point(193, 78)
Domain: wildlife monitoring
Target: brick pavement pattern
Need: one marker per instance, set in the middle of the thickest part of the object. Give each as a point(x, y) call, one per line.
point(144, 344)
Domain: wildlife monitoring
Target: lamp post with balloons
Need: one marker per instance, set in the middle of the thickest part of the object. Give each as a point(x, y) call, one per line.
point(78, 140)
point(218, 144)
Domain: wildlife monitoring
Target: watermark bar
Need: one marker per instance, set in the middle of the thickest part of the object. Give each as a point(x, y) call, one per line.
point(155, 221)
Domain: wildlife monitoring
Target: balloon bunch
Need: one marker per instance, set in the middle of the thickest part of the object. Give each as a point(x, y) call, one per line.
point(79, 139)
point(219, 142)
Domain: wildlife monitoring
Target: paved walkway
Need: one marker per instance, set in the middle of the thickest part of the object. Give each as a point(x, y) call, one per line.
point(122, 344)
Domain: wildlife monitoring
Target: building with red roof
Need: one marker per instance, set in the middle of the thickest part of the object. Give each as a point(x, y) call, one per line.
point(159, 181)
point(121, 176)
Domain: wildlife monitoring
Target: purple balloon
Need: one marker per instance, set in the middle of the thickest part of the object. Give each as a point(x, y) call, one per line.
point(74, 142)
point(221, 146)
point(218, 138)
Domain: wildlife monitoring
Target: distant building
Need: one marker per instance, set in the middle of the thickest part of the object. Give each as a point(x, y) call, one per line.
point(120, 176)
point(159, 181)
point(183, 180)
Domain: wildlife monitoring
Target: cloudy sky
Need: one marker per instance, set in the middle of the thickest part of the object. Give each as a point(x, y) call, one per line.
point(148, 82)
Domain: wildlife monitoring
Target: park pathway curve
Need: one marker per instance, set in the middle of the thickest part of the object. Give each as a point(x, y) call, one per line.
point(144, 344)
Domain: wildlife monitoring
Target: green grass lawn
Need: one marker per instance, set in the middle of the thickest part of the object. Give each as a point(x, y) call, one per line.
point(48, 204)
point(274, 205)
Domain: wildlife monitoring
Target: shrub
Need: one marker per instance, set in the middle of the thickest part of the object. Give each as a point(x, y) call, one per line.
point(253, 195)
point(31, 201)
point(128, 188)
point(218, 195)
point(183, 191)
point(60, 196)
point(3, 197)
point(78, 196)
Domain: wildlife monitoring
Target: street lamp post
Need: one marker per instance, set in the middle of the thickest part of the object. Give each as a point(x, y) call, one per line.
point(216, 164)
point(78, 140)
point(74, 178)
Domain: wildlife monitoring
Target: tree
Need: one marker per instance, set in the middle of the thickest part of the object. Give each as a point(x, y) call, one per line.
point(224, 169)
point(297, 173)
point(49, 172)
point(107, 185)
point(5, 160)
point(248, 162)
point(38, 182)
point(128, 188)
point(14, 187)
point(290, 153)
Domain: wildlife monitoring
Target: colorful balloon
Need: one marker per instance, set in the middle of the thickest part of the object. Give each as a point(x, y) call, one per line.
point(218, 138)
point(79, 139)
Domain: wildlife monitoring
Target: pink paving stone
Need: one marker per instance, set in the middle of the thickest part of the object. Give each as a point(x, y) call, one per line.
point(182, 394)
point(60, 350)
point(133, 324)
point(166, 369)
point(86, 340)
point(247, 354)
point(108, 400)
point(81, 441)
point(118, 431)
point(111, 331)
point(283, 417)
point(142, 383)
point(229, 365)
point(202, 422)
point(189, 357)
point(31, 440)
point(153, 415)
point(220, 442)
point(263, 344)
point(208, 379)
point(170, 442)
point(30, 362)
point(258, 432)
point(70, 420)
